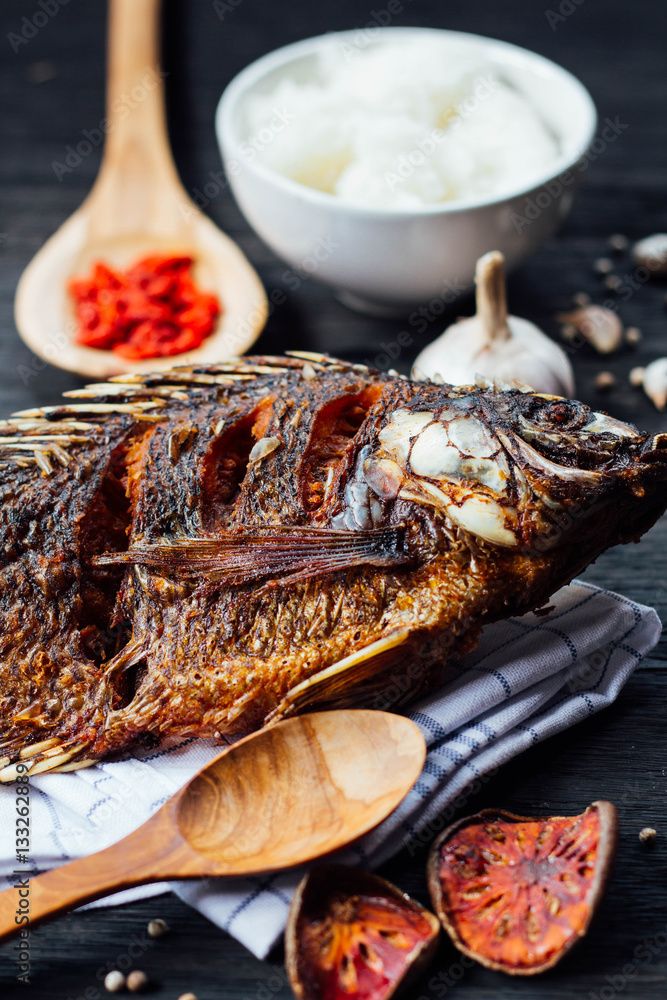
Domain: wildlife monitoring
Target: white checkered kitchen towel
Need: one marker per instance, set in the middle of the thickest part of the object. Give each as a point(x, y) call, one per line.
point(529, 678)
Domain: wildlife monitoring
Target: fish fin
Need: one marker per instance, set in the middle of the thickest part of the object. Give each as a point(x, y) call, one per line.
point(127, 657)
point(76, 765)
point(358, 678)
point(49, 755)
point(287, 555)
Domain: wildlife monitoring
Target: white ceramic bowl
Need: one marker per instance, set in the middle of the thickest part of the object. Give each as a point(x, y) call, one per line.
point(396, 259)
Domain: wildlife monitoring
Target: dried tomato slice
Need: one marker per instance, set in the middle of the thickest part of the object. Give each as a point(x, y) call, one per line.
point(516, 893)
point(354, 936)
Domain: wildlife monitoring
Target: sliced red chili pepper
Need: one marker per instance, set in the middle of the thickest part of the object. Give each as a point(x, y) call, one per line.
point(153, 309)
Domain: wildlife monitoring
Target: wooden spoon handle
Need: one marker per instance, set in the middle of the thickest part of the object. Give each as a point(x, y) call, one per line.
point(135, 89)
point(149, 854)
point(138, 176)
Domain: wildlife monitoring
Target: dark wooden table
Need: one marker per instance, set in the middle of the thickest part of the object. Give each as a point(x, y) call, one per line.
point(51, 90)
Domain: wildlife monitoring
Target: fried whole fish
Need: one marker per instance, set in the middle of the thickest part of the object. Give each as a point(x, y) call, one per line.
point(200, 551)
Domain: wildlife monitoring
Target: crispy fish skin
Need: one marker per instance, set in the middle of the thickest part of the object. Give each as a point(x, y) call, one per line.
point(200, 551)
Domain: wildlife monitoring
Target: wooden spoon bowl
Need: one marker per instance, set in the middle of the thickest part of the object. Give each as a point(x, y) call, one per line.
point(137, 206)
point(343, 770)
point(288, 794)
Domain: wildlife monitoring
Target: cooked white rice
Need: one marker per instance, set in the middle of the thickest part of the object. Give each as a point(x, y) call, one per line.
point(399, 125)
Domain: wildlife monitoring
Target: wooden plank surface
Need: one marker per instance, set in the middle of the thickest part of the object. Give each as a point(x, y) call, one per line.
point(51, 89)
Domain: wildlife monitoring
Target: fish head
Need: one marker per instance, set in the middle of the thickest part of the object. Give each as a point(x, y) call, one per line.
point(514, 468)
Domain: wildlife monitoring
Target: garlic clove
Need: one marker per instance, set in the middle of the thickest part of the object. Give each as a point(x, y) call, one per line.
point(494, 345)
point(601, 327)
point(655, 382)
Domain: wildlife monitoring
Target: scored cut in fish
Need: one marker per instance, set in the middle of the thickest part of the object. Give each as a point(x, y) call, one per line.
point(208, 549)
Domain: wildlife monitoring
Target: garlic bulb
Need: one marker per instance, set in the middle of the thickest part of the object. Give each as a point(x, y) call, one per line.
point(651, 253)
point(655, 382)
point(496, 345)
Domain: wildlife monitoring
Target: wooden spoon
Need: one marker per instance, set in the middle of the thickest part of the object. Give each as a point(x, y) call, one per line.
point(285, 795)
point(137, 206)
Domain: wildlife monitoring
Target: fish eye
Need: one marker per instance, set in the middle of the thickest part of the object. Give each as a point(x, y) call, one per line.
point(563, 414)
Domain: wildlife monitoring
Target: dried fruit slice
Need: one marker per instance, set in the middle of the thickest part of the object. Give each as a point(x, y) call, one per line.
point(515, 893)
point(354, 936)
